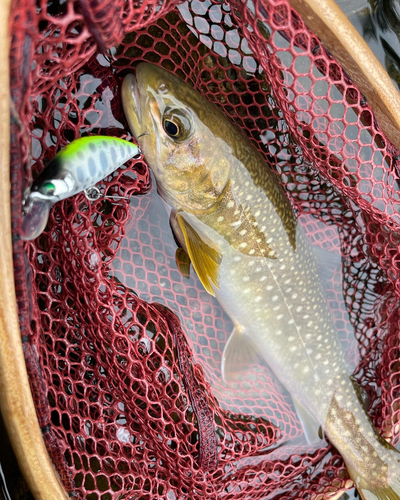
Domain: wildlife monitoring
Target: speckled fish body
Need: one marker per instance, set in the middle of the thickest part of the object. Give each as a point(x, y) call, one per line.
point(77, 167)
point(231, 215)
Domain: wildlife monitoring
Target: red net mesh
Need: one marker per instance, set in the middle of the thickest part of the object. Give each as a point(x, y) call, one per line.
point(129, 395)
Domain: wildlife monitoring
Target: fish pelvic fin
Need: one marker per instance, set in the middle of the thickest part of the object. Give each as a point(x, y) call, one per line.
point(204, 254)
point(383, 486)
point(239, 354)
point(182, 260)
point(311, 427)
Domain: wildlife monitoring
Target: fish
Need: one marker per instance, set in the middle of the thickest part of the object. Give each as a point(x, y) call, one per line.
point(231, 215)
point(77, 167)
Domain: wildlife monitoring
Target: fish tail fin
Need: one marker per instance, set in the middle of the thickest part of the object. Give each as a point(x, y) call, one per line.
point(382, 485)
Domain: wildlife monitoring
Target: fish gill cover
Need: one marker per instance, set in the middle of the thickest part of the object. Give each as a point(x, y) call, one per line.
point(129, 397)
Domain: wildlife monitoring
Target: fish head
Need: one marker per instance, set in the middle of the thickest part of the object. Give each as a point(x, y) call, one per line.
point(179, 133)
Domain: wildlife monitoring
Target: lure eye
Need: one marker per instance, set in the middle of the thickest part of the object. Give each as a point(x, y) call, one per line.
point(177, 123)
point(48, 189)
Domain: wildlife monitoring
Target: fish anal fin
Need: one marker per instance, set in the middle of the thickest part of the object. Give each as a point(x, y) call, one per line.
point(203, 254)
point(239, 354)
point(311, 427)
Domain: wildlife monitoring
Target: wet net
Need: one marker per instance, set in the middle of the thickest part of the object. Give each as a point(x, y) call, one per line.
point(123, 351)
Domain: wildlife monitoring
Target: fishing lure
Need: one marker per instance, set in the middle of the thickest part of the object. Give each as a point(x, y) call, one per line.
point(76, 168)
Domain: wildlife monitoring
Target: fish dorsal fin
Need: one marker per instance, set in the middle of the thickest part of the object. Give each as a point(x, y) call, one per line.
point(311, 427)
point(237, 225)
point(239, 354)
point(203, 253)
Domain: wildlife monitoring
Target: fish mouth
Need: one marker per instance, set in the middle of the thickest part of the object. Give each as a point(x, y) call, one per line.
point(131, 103)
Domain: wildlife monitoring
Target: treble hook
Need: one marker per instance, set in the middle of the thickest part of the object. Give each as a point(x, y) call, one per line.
point(93, 194)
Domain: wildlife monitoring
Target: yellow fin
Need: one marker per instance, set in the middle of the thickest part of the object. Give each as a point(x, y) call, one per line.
point(182, 260)
point(239, 354)
point(237, 225)
point(203, 255)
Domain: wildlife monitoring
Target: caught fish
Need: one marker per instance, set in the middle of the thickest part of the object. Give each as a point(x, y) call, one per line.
point(232, 216)
point(77, 167)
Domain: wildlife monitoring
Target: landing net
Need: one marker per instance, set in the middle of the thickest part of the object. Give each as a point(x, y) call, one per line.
point(128, 394)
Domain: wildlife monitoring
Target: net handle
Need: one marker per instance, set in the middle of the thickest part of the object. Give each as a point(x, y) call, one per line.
point(338, 35)
point(16, 403)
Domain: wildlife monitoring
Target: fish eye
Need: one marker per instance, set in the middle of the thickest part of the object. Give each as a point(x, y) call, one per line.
point(171, 128)
point(177, 124)
point(48, 189)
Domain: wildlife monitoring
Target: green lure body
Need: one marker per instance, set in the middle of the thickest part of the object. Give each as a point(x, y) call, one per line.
point(80, 165)
point(77, 167)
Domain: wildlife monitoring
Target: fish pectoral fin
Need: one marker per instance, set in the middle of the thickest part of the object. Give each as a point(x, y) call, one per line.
point(182, 260)
point(203, 254)
point(240, 352)
point(311, 427)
